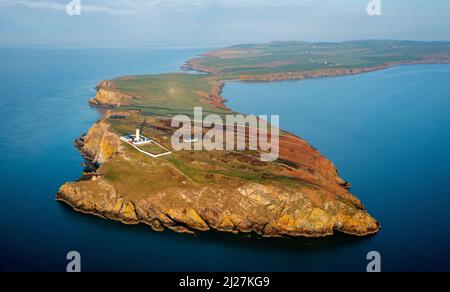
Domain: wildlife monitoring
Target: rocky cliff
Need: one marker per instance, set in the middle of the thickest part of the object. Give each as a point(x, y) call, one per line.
point(110, 98)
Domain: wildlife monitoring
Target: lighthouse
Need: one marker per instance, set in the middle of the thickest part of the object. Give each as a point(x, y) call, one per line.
point(138, 135)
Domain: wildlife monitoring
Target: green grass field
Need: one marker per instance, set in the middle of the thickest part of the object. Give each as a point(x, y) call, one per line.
point(153, 148)
point(167, 94)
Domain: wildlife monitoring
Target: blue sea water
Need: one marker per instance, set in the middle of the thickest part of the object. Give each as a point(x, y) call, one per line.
point(386, 131)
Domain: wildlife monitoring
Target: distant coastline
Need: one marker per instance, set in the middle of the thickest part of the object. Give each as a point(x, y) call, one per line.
point(298, 76)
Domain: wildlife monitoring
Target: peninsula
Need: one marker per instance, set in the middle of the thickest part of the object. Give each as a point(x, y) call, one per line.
point(300, 194)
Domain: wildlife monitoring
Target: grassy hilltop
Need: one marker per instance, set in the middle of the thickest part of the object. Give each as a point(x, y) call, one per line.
point(168, 94)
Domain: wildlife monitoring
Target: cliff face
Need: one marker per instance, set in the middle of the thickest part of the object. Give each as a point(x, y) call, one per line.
point(214, 96)
point(334, 72)
point(100, 144)
point(319, 208)
point(98, 198)
point(109, 98)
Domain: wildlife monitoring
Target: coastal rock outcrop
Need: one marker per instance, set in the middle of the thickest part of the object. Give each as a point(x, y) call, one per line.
point(98, 198)
point(109, 98)
point(99, 144)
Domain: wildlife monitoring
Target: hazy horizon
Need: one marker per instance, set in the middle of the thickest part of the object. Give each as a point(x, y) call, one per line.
point(215, 23)
point(181, 47)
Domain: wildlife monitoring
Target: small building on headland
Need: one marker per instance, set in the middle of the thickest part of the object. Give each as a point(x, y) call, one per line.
point(136, 139)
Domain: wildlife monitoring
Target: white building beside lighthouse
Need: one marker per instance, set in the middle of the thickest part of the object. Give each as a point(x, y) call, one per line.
point(136, 139)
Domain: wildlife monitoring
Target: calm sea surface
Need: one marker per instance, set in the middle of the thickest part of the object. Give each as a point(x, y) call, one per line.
point(387, 132)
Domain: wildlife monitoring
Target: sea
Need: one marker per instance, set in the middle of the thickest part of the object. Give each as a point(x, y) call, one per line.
point(387, 132)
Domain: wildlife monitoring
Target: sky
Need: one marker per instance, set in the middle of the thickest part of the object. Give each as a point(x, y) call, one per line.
point(209, 23)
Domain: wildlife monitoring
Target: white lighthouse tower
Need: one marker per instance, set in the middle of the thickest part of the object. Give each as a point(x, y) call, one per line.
point(138, 135)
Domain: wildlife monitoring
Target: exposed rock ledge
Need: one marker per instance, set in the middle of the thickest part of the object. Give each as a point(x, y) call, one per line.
point(107, 97)
point(250, 207)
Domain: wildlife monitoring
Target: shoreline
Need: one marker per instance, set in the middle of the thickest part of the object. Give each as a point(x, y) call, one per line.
point(308, 75)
